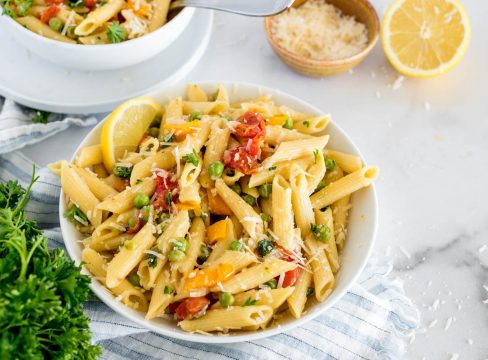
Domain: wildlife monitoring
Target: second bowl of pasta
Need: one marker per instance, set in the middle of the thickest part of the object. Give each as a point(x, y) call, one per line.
point(213, 209)
point(94, 35)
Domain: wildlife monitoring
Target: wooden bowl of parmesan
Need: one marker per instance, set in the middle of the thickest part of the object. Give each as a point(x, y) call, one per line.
point(324, 37)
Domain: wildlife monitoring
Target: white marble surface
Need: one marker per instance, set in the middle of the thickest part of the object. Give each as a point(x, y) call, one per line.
point(430, 138)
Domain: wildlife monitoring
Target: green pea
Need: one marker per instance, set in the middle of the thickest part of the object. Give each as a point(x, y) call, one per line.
point(205, 251)
point(266, 217)
point(265, 190)
point(226, 299)
point(70, 32)
point(216, 169)
point(264, 247)
point(154, 132)
point(271, 283)
point(236, 245)
point(168, 290)
point(134, 279)
point(249, 199)
point(329, 163)
point(56, 24)
point(180, 244)
point(236, 188)
point(132, 222)
point(176, 255)
point(141, 200)
point(321, 232)
point(288, 123)
point(146, 212)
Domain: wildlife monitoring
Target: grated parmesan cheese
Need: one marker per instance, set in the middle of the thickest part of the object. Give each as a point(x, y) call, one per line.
point(319, 31)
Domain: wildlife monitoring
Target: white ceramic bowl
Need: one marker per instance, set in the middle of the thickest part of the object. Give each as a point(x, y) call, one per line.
point(99, 57)
point(358, 245)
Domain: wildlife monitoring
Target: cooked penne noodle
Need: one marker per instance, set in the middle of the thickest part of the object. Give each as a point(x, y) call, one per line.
point(312, 125)
point(160, 14)
point(35, 25)
point(232, 318)
point(344, 186)
point(347, 162)
point(98, 17)
point(125, 200)
point(282, 212)
point(325, 218)
point(297, 300)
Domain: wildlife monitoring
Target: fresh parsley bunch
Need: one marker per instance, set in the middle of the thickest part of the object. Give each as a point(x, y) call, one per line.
point(41, 291)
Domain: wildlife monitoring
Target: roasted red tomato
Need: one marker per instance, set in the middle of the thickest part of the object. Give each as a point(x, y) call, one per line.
point(291, 277)
point(166, 192)
point(54, 1)
point(239, 159)
point(251, 125)
point(191, 308)
point(48, 13)
point(90, 3)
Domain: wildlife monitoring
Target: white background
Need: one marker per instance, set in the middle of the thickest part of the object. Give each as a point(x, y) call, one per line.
point(430, 138)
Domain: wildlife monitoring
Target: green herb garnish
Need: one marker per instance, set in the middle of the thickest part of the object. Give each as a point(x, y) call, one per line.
point(250, 302)
point(40, 117)
point(192, 158)
point(42, 291)
point(115, 33)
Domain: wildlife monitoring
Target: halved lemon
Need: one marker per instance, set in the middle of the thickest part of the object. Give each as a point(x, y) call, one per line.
point(125, 127)
point(425, 38)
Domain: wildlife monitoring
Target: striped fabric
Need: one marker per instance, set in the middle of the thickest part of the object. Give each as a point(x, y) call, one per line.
point(17, 129)
point(372, 321)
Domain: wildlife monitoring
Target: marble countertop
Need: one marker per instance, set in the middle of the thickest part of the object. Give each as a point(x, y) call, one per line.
point(430, 138)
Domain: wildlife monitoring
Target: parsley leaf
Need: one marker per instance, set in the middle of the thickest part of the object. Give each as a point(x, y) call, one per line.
point(168, 198)
point(75, 3)
point(23, 6)
point(40, 117)
point(250, 302)
point(315, 155)
point(7, 9)
point(123, 172)
point(43, 291)
point(75, 215)
point(192, 158)
point(115, 33)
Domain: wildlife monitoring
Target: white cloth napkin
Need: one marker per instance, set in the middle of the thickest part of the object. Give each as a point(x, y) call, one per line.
point(18, 130)
point(372, 321)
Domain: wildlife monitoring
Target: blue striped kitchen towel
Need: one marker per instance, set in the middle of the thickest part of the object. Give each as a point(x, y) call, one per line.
point(17, 128)
point(372, 321)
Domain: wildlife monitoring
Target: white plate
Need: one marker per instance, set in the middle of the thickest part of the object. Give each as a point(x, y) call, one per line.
point(360, 236)
point(37, 83)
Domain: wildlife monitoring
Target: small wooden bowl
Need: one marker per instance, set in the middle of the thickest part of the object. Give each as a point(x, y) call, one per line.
point(363, 11)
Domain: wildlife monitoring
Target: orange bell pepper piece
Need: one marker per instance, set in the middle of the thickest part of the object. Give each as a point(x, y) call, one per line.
point(277, 119)
point(217, 205)
point(217, 231)
point(181, 130)
point(208, 277)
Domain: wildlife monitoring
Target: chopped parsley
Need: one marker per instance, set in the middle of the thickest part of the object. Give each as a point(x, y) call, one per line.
point(40, 117)
point(138, 181)
point(329, 163)
point(271, 168)
point(250, 302)
point(23, 6)
point(288, 124)
point(320, 186)
point(315, 155)
point(310, 291)
point(75, 215)
point(195, 115)
point(168, 290)
point(192, 158)
point(123, 172)
point(115, 32)
point(75, 3)
point(168, 198)
point(306, 123)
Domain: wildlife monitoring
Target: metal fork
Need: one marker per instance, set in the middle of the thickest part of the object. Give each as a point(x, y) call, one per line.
point(242, 7)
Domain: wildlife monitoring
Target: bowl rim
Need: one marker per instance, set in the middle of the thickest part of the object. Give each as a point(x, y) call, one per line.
point(323, 63)
point(91, 48)
point(108, 298)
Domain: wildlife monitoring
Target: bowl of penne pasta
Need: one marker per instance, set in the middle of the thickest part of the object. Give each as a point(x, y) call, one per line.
point(94, 35)
point(236, 211)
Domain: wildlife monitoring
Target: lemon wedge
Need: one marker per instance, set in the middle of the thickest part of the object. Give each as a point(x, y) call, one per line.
point(425, 38)
point(125, 127)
